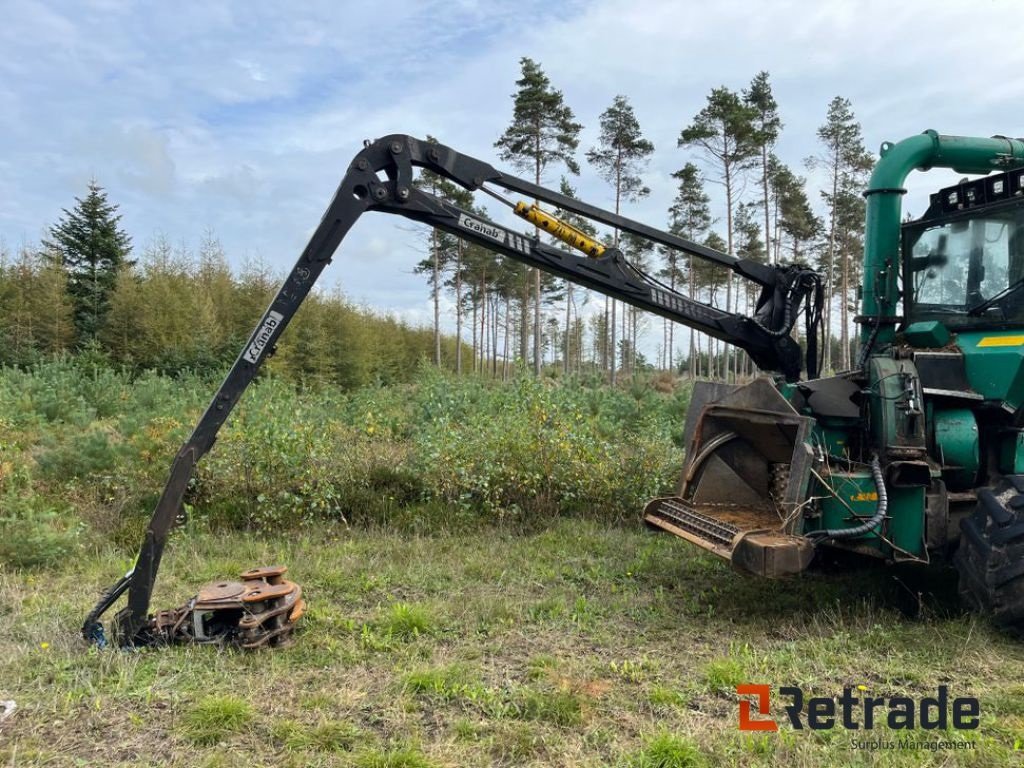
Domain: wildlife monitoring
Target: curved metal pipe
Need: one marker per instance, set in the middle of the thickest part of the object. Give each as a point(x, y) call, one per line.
point(884, 211)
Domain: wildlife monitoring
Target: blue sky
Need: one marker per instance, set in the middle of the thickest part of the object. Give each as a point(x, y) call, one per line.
point(241, 117)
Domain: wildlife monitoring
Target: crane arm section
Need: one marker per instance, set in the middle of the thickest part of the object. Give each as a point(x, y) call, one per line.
point(380, 178)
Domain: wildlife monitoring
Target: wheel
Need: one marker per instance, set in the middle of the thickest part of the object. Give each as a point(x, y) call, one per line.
point(990, 558)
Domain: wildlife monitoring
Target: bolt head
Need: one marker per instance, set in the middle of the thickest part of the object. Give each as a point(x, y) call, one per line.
point(396, 147)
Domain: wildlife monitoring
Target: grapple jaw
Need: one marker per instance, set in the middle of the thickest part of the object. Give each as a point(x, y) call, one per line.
point(745, 481)
point(260, 610)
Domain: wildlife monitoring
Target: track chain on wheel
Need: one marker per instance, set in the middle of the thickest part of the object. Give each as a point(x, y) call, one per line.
point(990, 558)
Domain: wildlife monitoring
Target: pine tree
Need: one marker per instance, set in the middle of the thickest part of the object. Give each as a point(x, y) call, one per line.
point(711, 276)
point(573, 351)
point(639, 252)
point(723, 131)
point(766, 125)
point(620, 157)
point(793, 214)
point(445, 250)
point(543, 132)
point(689, 218)
point(92, 248)
point(846, 161)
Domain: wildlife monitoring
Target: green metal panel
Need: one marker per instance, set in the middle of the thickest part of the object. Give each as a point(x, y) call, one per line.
point(855, 494)
point(835, 439)
point(856, 499)
point(1011, 454)
point(956, 440)
point(883, 215)
point(994, 361)
point(906, 519)
point(927, 333)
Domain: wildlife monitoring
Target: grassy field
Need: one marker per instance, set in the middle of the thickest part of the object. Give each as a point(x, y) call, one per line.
point(571, 643)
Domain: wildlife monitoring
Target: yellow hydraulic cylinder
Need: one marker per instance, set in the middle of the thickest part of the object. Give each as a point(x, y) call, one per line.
point(565, 232)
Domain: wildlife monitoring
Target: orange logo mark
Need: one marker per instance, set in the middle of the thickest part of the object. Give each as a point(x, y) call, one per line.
point(746, 724)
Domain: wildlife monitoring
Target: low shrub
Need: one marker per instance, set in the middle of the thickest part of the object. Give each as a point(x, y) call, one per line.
point(526, 449)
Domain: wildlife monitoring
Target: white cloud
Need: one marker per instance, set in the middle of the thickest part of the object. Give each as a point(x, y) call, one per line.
point(241, 117)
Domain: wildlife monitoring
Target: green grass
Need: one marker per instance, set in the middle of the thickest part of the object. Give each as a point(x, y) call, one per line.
point(492, 646)
point(667, 751)
point(393, 757)
point(326, 736)
point(214, 718)
point(407, 621)
point(723, 675)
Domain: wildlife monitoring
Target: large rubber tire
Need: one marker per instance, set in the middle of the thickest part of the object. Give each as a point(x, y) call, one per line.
point(990, 558)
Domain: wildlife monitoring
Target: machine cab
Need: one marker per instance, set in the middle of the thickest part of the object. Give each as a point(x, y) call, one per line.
point(963, 260)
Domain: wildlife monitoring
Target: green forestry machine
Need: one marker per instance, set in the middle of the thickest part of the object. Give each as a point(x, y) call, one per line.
point(915, 454)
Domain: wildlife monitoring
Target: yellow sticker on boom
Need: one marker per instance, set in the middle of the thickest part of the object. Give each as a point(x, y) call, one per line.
point(864, 496)
point(1001, 341)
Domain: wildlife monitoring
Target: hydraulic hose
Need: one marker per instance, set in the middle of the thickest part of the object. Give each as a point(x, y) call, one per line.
point(868, 525)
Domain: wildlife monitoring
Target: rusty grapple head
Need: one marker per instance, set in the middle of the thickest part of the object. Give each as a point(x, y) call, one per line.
point(258, 611)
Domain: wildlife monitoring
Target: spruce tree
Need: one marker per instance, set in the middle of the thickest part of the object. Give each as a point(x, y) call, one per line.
point(543, 132)
point(92, 248)
point(35, 311)
point(620, 157)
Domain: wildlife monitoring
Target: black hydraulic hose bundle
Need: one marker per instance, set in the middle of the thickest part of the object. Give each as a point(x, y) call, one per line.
point(865, 351)
point(868, 525)
point(806, 287)
point(815, 329)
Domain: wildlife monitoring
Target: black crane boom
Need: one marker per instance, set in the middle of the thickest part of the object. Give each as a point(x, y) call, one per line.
point(380, 178)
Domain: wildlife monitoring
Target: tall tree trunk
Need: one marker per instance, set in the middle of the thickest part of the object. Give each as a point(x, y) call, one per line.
point(615, 242)
point(504, 363)
point(728, 278)
point(844, 310)
point(604, 335)
point(777, 246)
point(494, 335)
point(568, 326)
point(536, 276)
point(437, 298)
point(577, 335)
point(613, 352)
point(475, 302)
point(764, 189)
point(830, 282)
point(694, 338)
point(524, 330)
point(483, 322)
point(458, 308)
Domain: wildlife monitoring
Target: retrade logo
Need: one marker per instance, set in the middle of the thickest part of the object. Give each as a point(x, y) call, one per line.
point(854, 712)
